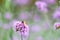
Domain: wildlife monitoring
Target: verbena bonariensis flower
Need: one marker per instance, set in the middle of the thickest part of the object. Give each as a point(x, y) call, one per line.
point(51, 1)
point(22, 28)
point(58, 38)
point(15, 37)
point(45, 26)
point(56, 14)
point(36, 18)
point(36, 28)
point(56, 25)
point(8, 15)
point(6, 26)
point(42, 6)
point(23, 15)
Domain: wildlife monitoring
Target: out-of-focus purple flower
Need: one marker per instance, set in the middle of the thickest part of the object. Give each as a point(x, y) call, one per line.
point(6, 26)
point(39, 38)
point(56, 15)
point(42, 6)
point(51, 1)
point(22, 28)
point(15, 37)
point(23, 15)
point(36, 18)
point(56, 25)
point(58, 38)
point(45, 26)
point(21, 2)
point(7, 15)
point(35, 28)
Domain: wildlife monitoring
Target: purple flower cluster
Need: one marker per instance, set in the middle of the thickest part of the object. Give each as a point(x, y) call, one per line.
point(56, 14)
point(21, 27)
point(41, 6)
point(8, 15)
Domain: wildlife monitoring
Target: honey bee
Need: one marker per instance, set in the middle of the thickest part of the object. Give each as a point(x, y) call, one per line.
point(58, 27)
point(20, 27)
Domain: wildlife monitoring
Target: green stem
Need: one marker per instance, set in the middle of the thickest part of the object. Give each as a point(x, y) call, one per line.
point(0, 17)
point(21, 37)
point(49, 23)
point(47, 19)
point(11, 33)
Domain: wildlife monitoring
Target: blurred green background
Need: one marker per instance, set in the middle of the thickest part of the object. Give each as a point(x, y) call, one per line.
point(40, 23)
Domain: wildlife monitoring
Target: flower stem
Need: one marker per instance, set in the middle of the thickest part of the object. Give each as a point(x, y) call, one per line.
point(46, 17)
point(21, 37)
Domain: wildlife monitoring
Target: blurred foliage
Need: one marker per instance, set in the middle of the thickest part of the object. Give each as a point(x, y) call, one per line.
point(8, 6)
